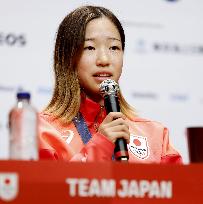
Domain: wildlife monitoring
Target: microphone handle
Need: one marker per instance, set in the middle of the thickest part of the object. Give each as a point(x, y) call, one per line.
point(112, 105)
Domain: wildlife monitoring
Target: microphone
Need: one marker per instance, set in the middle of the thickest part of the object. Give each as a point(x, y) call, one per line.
point(109, 89)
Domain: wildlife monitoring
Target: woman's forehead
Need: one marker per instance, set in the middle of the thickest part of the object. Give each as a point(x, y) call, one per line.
point(102, 27)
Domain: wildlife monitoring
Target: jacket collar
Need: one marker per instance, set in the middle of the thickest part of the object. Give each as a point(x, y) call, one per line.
point(95, 113)
point(92, 111)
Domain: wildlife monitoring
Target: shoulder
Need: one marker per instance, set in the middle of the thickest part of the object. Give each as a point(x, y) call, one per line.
point(46, 121)
point(47, 117)
point(56, 122)
point(146, 123)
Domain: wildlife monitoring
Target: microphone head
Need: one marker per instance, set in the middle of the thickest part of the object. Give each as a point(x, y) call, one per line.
point(108, 87)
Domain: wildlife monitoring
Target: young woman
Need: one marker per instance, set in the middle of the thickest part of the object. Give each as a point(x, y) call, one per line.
point(75, 126)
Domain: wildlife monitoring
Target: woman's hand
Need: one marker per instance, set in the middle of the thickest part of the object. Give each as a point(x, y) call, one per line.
point(114, 126)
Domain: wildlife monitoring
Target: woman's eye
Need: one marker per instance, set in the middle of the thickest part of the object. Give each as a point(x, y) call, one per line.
point(115, 48)
point(89, 48)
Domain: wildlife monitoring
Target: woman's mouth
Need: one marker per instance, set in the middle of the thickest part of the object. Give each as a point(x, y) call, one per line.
point(102, 76)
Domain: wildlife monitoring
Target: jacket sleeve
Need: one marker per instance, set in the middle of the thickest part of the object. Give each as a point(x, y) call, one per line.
point(99, 148)
point(53, 147)
point(51, 144)
point(169, 154)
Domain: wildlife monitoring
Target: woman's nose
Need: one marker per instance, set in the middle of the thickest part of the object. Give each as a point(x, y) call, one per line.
point(103, 58)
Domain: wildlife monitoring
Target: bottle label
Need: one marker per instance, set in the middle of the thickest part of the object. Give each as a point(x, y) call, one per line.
point(23, 134)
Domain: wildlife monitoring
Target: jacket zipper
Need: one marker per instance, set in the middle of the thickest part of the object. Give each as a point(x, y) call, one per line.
point(96, 123)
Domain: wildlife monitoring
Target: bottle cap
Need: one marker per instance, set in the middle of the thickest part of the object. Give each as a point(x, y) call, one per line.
point(23, 95)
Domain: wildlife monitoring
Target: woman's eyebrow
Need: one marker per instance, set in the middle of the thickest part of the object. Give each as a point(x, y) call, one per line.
point(89, 39)
point(112, 38)
point(109, 38)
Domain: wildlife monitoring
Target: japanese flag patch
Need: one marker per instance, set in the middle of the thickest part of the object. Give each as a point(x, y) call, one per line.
point(138, 146)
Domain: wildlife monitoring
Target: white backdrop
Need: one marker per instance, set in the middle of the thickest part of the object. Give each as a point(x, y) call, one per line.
point(163, 58)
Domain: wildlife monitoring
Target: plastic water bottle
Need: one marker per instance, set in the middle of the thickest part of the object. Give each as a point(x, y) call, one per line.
point(23, 129)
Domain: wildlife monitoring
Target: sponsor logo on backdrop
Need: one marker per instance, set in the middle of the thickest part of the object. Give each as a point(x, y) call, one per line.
point(142, 46)
point(175, 97)
point(8, 186)
point(177, 48)
point(10, 89)
point(40, 90)
point(171, 0)
point(4, 88)
point(12, 39)
point(179, 97)
point(145, 95)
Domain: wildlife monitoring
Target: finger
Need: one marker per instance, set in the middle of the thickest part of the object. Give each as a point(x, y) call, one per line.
point(113, 116)
point(120, 128)
point(117, 122)
point(123, 135)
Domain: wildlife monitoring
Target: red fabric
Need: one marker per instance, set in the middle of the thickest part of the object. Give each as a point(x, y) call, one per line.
point(63, 142)
point(48, 154)
point(171, 159)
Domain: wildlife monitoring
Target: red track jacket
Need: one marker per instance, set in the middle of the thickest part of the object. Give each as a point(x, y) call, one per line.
point(149, 140)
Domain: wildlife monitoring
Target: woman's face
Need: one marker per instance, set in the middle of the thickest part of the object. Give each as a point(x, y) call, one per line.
point(102, 56)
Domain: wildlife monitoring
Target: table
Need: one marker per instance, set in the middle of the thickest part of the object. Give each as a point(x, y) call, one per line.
point(94, 183)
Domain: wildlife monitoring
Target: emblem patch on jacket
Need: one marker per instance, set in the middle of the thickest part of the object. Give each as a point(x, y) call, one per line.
point(139, 146)
point(67, 135)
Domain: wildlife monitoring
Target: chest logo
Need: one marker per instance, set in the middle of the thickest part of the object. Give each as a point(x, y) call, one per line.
point(68, 136)
point(139, 146)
